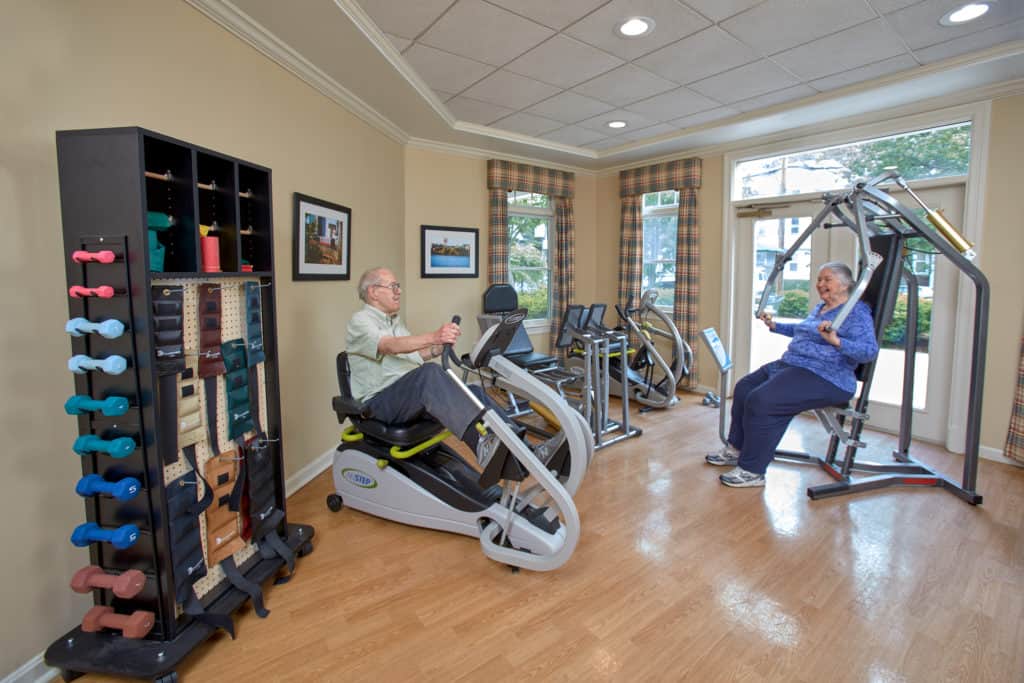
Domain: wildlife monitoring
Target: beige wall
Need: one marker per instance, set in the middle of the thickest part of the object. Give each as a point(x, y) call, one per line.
point(1001, 252)
point(106, 63)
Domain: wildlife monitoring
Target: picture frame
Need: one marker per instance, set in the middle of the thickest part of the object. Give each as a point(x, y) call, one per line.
point(449, 252)
point(321, 243)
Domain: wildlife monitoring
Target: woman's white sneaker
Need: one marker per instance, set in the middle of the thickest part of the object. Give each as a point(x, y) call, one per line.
point(727, 457)
point(740, 478)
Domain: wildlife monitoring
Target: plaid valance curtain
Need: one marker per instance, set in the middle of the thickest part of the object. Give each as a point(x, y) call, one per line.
point(506, 176)
point(1015, 436)
point(683, 175)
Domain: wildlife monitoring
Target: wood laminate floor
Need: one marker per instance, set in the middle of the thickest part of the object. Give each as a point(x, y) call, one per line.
point(675, 578)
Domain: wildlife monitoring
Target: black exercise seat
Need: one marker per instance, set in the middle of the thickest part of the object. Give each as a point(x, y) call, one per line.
point(500, 299)
point(347, 407)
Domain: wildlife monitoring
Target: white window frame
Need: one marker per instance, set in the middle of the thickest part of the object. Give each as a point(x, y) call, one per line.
point(658, 212)
point(979, 114)
point(536, 324)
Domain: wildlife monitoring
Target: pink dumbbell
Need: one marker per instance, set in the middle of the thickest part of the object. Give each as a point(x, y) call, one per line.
point(103, 291)
point(82, 256)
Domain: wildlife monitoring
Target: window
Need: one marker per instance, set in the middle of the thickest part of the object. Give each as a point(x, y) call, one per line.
point(661, 216)
point(933, 153)
point(530, 225)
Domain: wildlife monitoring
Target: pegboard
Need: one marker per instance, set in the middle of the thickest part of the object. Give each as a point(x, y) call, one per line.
point(232, 327)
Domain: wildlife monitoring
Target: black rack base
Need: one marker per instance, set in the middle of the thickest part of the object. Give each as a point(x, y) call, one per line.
point(78, 652)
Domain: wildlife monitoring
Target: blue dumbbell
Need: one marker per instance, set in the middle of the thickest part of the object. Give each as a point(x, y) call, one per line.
point(94, 484)
point(111, 329)
point(122, 537)
point(121, 447)
point(112, 365)
point(112, 406)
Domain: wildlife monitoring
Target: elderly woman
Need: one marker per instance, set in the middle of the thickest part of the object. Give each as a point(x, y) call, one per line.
point(817, 370)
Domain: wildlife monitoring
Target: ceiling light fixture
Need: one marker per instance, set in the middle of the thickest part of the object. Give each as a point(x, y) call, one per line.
point(635, 27)
point(616, 124)
point(965, 13)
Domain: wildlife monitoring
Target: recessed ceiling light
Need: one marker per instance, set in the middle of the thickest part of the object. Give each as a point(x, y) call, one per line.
point(635, 27)
point(616, 124)
point(965, 13)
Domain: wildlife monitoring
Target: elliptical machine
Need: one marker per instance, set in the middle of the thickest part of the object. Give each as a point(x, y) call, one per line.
point(405, 473)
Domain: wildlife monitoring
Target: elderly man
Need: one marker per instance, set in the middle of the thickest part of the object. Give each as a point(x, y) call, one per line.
point(389, 374)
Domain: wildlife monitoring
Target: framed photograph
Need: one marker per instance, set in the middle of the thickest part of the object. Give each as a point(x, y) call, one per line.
point(321, 240)
point(449, 252)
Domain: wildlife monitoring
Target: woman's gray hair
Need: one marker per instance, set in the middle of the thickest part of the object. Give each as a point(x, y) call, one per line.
point(842, 271)
point(367, 280)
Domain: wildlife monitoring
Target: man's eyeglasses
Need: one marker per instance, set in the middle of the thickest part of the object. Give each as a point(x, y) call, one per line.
point(394, 286)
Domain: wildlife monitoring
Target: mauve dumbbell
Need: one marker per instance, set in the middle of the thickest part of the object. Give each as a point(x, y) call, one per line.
point(134, 625)
point(121, 447)
point(79, 327)
point(112, 365)
point(122, 537)
point(103, 291)
point(94, 484)
point(112, 406)
point(82, 256)
point(126, 585)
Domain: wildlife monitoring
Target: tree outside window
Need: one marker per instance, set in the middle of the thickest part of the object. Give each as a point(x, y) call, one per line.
point(661, 222)
point(530, 221)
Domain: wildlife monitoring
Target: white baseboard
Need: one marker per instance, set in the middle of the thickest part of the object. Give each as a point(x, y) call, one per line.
point(34, 670)
point(997, 455)
point(308, 473)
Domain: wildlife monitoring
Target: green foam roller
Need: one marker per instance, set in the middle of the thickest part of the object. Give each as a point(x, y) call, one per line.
point(158, 221)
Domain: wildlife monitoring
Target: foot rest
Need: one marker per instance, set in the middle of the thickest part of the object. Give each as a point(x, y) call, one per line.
point(828, 419)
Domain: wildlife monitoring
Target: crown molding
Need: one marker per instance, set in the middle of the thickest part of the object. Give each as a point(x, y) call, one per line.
point(481, 153)
point(252, 32)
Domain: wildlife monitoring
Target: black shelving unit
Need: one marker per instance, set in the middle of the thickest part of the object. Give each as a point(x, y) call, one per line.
point(112, 183)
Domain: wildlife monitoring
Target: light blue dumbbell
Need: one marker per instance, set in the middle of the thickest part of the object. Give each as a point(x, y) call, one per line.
point(111, 329)
point(93, 484)
point(122, 537)
point(112, 406)
point(112, 365)
point(121, 447)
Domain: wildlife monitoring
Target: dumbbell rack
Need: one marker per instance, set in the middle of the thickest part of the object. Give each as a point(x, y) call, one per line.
point(104, 201)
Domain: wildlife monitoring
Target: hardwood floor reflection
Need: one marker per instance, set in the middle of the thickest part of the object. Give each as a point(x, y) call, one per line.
point(675, 578)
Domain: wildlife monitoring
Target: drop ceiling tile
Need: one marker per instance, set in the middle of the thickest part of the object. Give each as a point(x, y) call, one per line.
point(717, 10)
point(607, 143)
point(443, 70)
point(650, 132)
point(886, 6)
point(399, 43)
point(778, 25)
point(624, 85)
point(698, 56)
point(564, 61)
point(556, 14)
point(705, 117)
point(481, 31)
point(865, 73)
point(854, 47)
point(402, 18)
point(975, 41)
point(672, 105)
point(919, 24)
point(527, 124)
point(573, 135)
point(672, 22)
point(632, 119)
point(568, 107)
point(475, 111)
point(444, 96)
point(778, 97)
point(510, 90)
point(745, 82)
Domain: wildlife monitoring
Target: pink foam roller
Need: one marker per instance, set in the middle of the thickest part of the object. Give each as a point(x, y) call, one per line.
point(211, 254)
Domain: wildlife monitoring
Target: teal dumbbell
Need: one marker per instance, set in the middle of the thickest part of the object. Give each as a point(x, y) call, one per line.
point(79, 327)
point(121, 447)
point(122, 537)
point(112, 365)
point(112, 406)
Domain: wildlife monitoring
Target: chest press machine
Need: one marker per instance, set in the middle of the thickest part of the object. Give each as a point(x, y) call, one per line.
point(882, 226)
